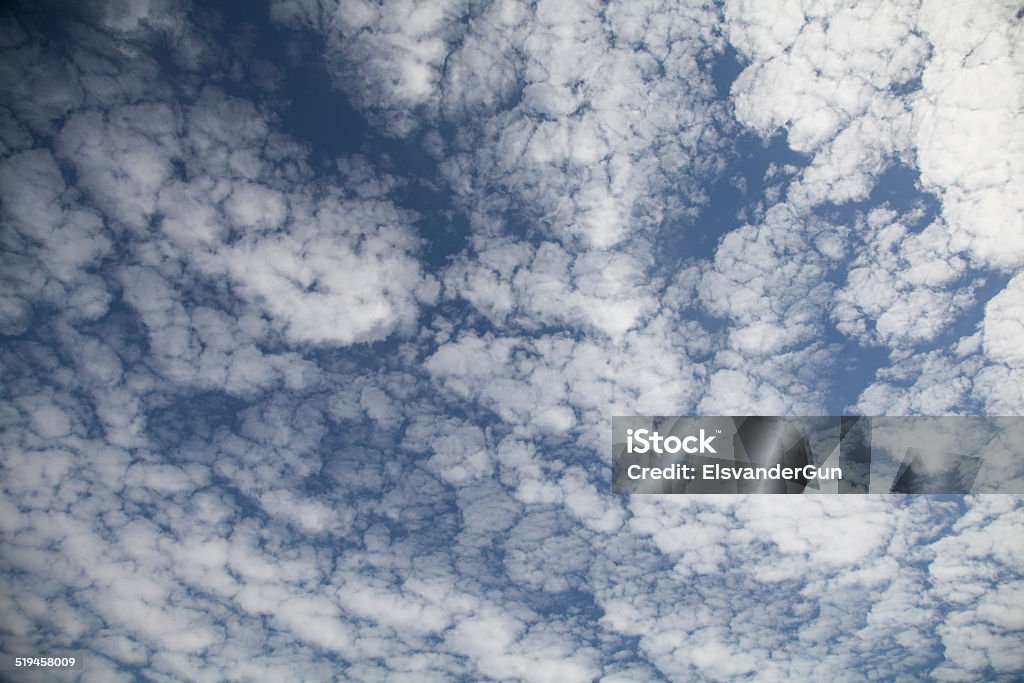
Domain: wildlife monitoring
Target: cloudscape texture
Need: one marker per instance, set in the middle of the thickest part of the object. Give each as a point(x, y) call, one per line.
point(315, 314)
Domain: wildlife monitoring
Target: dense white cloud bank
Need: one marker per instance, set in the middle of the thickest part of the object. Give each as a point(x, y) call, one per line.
point(861, 87)
point(255, 430)
point(968, 126)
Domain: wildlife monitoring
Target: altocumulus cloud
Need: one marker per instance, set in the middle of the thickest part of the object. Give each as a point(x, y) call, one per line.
point(315, 314)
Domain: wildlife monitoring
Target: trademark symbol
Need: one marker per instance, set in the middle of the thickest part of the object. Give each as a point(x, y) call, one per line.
point(718, 431)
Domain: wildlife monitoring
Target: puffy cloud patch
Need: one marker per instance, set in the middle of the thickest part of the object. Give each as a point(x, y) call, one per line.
point(543, 100)
point(829, 75)
point(770, 281)
point(514, 282)
point(902, 281)
point(390, 56)
point(1004, 323)
point(347, 272)
point(976, 571)
point(532, 383)
point(972, 85)
point(51, 243)
point(734, 566)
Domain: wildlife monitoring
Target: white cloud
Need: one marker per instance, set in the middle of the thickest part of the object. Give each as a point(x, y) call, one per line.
point(301, 278)
point(550, 92)
point(972, 85)
point(902, 281)
point(860, 88)
point(516, 283)
point(929, 383)
point(771, 281)
point(52, 243)
point(391, 56)
point(972, 570)
point(981, 371)
point(346, 273)
point(782, 590)
point(1004, 324)
point(527, 382)
point(826, 74)
point(124, 158)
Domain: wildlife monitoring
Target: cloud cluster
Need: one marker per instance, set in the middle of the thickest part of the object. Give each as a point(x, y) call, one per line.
point(900, 288)
point(831, 77)
point(192, 188)
point(866, 88)
point(850, 588)
point(971, 85)
point(544, 99)
point(255, 428)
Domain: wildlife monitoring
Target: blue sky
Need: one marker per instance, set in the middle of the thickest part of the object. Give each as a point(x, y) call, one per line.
point(315, 314)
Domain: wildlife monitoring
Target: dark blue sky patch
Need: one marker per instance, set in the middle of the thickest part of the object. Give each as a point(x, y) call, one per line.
point(726, 67)
point(736, 199)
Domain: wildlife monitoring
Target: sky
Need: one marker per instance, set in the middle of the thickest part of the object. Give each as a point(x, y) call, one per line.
point(314, 316)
